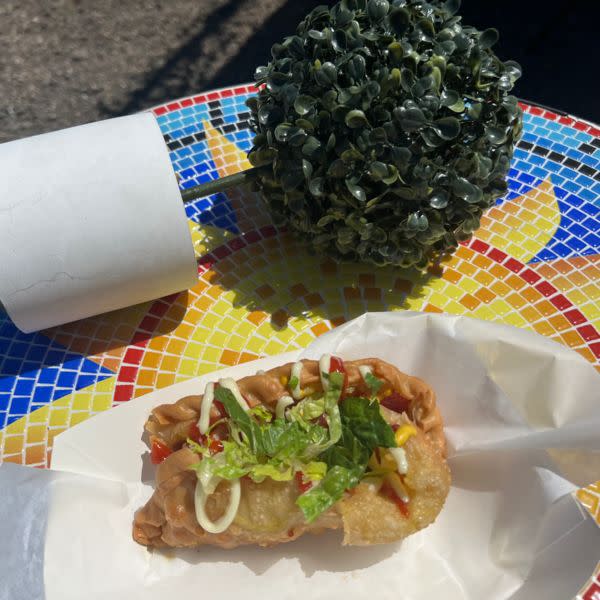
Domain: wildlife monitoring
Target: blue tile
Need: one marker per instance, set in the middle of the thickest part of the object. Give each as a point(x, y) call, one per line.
point(7, 384)
point(575, 214)
point(572, 186)
point(4, 400)
point(48, 375)
point(552, 166)
point(591, 224)
point(539, 172)
point(37, 353)
point(561, 234)
point(84, 381)
point(12, 418)
point(185, 162)
point(562, 250)
point(575, 244)
point(66, 379)
point(19, 406)
point(556, 137)
point(559, 148)
point(24, 387)
point(588, 195)
point(187, 173)
point(584, 180)
point(590, 209)
point(576, 229)
point(592, 240)
point(42, 394)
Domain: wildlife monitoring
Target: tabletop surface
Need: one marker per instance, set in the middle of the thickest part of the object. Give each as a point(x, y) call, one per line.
point(534, 263)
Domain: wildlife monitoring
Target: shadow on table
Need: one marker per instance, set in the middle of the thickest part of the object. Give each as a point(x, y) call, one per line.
point(64, 346)
point(270, 271)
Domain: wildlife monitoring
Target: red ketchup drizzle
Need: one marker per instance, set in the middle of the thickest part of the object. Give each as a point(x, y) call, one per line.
point(389, 492)
point(303, 486)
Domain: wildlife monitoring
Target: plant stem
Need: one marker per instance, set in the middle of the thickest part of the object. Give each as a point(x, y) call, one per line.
point(217, 185)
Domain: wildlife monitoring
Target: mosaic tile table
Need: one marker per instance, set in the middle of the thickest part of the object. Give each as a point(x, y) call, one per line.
point(535, 263)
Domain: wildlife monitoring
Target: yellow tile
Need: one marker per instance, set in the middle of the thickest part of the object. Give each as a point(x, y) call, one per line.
point(484, 312)
point(37, 416)
point(455, 308)
point(193, 350)
point(176, 346)
point(100, 403)
point(304, 339)
point(169, 363)
point(211, 354)
point(245, 328)
point(514, 319)
point(577, 297)
point(529, 230)
point(256, 345)
point(274, 347)
point(35, 433)
point(13, 444)
point(500, 307)
point(81, 401)
point(454, 292)
point(217, 338)
point(78, 417)
point(469, 285)
point(58, 417)
point(210, 320)
point(187, 367)
point(165, 379)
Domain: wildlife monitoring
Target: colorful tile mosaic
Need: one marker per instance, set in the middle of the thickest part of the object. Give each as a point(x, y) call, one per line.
point(535, 263)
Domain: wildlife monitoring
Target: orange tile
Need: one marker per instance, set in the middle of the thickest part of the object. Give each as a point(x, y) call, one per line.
point(203, 303)
point(500, 288)
point(314, 299)
point(165, 379)
point(176, 346)
point(160, 342)
point(36, 433)
point(320, 328)
point(559, 322)
point(543, 328)
point(572, 338)
point(366, 280)
point(211, 277)
point(531, 294)
point(215, 291)
point(337, 321)
point(483, 277)
point(257, 317)
point(592, 272)
point(516, 300)
point(546, 271)
point(466, 268)
point(299, 290)
point(485, 295)
point(35, 454)
point(403, 285)
point(280, 318)
point(562, 283)
point(13, 444)
point(545, 307)
point(247, 357)
point(530, 314)
point(111, 363)
point(169, 363)
point(585, 352)
point(372, 293)
point(470, 301)
point(451, 275)
point(482, 261)
point(562, 266)
point(151, 359)
point(329, 267)
point(432, 308)
point(229, 357)
point(499, 272)
point(146, 377)
point(17, 459)
point(515, 282)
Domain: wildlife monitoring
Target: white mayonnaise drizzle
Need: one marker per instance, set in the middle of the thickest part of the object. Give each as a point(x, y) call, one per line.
point(282, 404)
point(232, 386)
point(222, 523)
point(400, 457)
point(364, 371)
point(324, 366)
point(297, 373)
point(205, 406)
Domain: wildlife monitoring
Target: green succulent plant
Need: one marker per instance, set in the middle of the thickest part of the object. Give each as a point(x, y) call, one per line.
point(384, 129)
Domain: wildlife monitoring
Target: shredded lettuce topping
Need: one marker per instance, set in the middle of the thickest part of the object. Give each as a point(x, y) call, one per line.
point(329, 443)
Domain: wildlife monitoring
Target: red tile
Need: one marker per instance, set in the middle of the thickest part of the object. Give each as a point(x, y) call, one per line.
point(173, 106)
point(199, 99)
point(497, 255)
point(480, 246)
point(514, 265)
point(550, 115)
point(524, 106)
point(222, 251)
point(133, 356)
point(213, 96)
point(252, 236)
point(268, 231)
point(187, 102)
point(594, 131)
point(158, 309)
point(561, 302)
point(535, 110)
point(581, 126)
point(575, 316)
point(530, 276)
point(545, 288)
point(161, 110)
point(128, 374)
point(205, 262)
point(588, 333)
point(123, 393)
point(592, 593)
point(227, 93)
point(566, 121)
point(149, 323)
point(595, 348)
point(239, 90)
point(237, 243)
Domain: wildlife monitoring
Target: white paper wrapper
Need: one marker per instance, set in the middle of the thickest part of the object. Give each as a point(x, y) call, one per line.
point(510, 528)
point(91, 220)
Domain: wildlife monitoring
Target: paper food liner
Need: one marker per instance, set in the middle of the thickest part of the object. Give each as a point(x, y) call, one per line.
point(522, 419)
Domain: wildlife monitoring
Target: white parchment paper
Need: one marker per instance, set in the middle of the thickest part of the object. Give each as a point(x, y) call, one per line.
point(510, 528)
point(91, 220)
